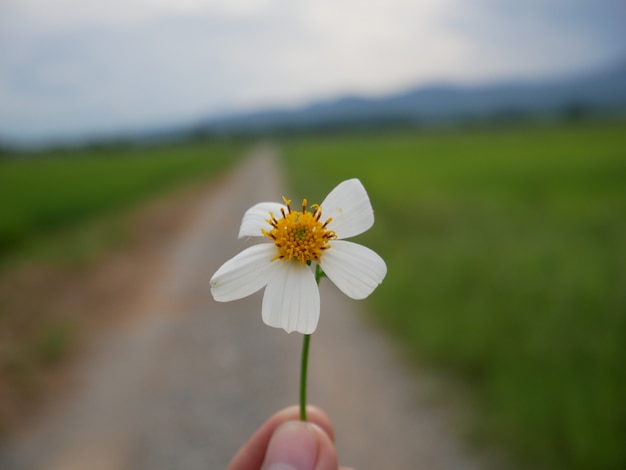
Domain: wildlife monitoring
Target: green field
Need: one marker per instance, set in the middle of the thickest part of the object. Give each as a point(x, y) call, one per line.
point(44, 192)
point(506, 252)
point(62, 212)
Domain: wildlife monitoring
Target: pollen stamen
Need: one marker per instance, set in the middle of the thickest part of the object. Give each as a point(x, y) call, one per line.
point(300, 235)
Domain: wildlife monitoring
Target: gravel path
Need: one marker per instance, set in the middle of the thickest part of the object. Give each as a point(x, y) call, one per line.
point(184, 383)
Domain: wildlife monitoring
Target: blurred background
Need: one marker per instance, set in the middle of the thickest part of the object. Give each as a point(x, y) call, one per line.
point(491, 137)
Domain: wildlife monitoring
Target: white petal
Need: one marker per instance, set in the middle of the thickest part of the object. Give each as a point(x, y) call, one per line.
point(349, 206)
point(256, 218)
point(355, 269)
point(244, 274)
point(292, 299)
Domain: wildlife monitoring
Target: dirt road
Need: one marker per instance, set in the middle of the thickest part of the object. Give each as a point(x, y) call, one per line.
point(184, 383)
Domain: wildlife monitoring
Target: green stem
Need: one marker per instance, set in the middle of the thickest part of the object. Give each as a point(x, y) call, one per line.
point(319, 274)
point(303, 376)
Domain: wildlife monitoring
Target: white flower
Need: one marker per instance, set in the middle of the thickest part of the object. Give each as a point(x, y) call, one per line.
point(298, 238)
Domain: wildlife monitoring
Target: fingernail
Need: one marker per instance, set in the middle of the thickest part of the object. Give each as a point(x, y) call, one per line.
point(293, 446)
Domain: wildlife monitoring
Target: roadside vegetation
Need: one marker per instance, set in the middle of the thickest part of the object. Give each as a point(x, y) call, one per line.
point(74, 225)
point(506, 250)
point(47, 191)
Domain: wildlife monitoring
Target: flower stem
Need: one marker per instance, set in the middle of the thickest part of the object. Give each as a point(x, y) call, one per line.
point(303, 376)
point(319, 274)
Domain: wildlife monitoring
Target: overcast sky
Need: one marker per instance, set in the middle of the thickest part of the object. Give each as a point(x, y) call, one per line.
point(77, 67)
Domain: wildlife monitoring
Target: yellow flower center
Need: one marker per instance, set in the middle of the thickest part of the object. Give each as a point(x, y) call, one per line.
point(300, 235)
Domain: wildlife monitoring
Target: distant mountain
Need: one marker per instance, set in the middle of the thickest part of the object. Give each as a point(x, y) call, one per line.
point(599, 92)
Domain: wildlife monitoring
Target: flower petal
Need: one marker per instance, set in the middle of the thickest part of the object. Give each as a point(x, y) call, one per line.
point(349, 206)
point(354, 269)
point(292, 299)
point(244, 274)
point(256, 217)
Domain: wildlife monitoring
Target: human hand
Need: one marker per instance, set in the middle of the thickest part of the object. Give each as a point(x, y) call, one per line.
point(284, 442)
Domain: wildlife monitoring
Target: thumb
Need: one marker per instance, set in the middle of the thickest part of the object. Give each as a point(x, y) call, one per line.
point(298, 445)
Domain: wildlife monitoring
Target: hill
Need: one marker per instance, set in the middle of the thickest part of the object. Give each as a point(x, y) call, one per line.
point(598, 92)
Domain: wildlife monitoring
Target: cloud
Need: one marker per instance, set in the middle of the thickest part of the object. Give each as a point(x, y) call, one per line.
point(77, 66)
point(540, 37)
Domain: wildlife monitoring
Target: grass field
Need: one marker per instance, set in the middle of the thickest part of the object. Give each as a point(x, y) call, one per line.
point(44, 192)
point(506, 252)
point(64, 214)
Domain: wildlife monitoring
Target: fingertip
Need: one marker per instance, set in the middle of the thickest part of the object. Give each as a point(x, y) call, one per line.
point(319, 417)
point(253, 453)
point(298, 445)
point(294, 446)
point(314, 415)
point(327, 454)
